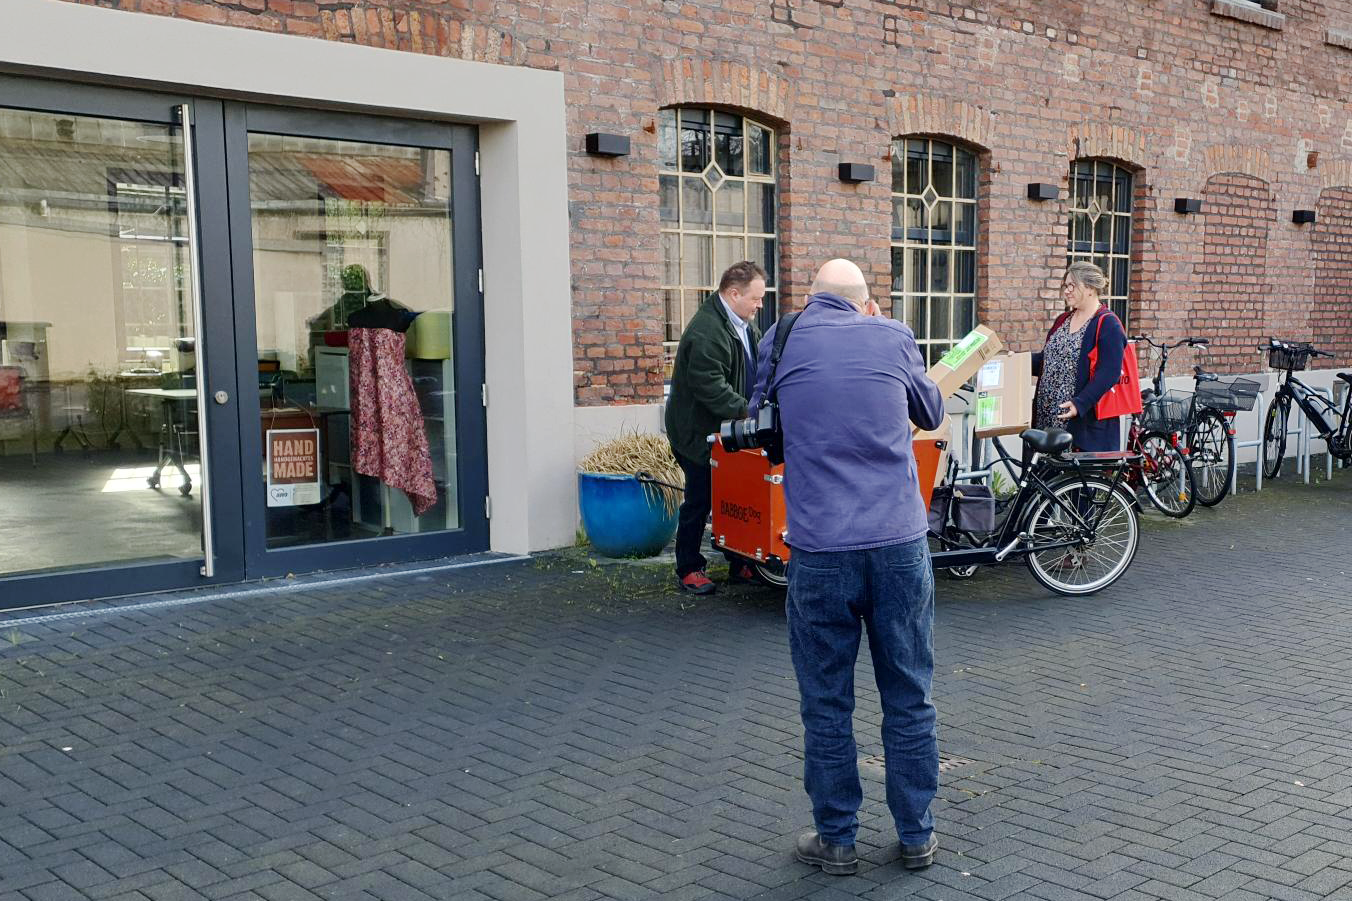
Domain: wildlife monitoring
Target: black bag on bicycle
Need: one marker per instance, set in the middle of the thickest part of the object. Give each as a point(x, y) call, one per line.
point(968, 508)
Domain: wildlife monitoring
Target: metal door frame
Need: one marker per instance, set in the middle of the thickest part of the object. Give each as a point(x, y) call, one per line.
point(215, 335)
point(468, 337)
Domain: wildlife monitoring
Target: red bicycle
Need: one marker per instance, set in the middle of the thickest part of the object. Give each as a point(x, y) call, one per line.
point(1162, 469)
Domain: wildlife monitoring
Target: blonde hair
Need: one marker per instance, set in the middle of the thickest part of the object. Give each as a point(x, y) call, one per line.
point(1087, 275)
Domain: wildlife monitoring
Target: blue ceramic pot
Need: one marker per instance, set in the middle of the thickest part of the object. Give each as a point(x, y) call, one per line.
point(622, 517)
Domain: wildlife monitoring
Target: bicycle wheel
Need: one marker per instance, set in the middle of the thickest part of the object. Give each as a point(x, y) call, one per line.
point(1168, 480)
point(772, 573)
point(1274, 436)
point(1089, 565)
point(1211, 454)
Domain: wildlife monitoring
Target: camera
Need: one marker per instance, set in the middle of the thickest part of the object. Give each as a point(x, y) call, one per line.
point(761, 430)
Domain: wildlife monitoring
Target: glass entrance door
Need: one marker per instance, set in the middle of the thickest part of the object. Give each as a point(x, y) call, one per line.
point(235, 341)
point(368, 439)
point(103, 349)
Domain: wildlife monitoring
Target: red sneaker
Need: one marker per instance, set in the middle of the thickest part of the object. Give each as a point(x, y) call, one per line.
point(696, 583)
point(741, 573)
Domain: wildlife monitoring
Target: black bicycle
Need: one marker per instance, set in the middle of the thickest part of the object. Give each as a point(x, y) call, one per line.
point(1207, 428)
point(1072, 518)
point(1329, 424)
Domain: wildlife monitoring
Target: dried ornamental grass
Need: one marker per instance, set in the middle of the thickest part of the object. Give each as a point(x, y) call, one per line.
point(640, 452)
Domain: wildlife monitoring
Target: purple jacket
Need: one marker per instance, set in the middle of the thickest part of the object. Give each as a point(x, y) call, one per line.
point(850, 386)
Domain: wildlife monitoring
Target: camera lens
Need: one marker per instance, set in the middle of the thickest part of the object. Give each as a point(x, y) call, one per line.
point(737, 434)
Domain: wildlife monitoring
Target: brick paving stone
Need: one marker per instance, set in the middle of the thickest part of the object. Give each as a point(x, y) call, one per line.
point(529, 732)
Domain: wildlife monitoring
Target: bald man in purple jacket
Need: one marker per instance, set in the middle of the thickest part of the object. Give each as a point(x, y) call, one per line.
point(850, 383)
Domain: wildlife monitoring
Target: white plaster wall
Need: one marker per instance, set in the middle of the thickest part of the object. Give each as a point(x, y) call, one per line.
point(524, 183)
point(593, 426)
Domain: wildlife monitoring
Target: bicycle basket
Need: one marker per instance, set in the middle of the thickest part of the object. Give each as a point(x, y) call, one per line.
point(1228, 397)
point(1293, 357)
point(1167, 413)
point(973, 508)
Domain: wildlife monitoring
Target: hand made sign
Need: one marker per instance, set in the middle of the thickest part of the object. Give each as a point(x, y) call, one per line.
point(293, 467)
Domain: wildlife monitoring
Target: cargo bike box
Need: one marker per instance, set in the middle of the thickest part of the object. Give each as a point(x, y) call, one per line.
point(748, 500)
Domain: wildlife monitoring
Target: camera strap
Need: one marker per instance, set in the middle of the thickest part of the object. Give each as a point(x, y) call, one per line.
point(781, 338)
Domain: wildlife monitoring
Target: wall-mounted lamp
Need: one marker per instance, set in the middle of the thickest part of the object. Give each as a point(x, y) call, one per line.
point(855, 172)
point(1039, 191)
point(601, 144)
point(1186, 205)
point(1302, 217)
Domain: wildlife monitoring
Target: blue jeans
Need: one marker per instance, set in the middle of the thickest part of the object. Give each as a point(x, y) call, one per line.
point(890, 590)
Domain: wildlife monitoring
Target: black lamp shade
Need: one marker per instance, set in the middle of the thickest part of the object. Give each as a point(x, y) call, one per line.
point(1302, 217)
point(601, 144)
point(856, 172)
point(1186, 205)
point(1040, 191)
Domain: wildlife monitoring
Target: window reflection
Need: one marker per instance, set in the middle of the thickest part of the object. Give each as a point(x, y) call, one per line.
point(354, 288)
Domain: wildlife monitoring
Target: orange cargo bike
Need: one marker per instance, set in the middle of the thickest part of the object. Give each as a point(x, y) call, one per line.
point(748, 502)
point(1072, 519)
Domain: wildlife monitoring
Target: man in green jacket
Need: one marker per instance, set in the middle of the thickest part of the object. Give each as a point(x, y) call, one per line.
point(712, 380)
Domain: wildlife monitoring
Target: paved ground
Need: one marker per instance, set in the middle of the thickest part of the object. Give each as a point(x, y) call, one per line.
point(557, 729)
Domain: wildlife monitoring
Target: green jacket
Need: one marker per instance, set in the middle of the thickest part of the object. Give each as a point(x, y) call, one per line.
point(706, 384)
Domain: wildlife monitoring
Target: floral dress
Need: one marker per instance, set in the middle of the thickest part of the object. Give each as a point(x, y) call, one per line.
point(388, 438)
point(1056, 385)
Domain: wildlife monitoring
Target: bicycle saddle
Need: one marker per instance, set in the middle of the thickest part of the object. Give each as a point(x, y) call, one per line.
point(1203, 376)
point(1050, 442)
point(1346, 377)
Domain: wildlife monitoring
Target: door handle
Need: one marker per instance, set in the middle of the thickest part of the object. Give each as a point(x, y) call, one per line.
point(221, 398)
point(184, 115)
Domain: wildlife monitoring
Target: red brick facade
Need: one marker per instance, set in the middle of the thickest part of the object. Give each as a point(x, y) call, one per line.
point(1333, 272)
point(1239, 213)
point(1200, 98)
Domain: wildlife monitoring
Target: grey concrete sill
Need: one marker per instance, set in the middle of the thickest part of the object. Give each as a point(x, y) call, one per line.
point(1338, 37)
point(1247, 12)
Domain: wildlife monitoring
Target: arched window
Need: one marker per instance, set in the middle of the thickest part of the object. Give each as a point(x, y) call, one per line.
point(718, 206)
point(1100, 226)
point(934, 241)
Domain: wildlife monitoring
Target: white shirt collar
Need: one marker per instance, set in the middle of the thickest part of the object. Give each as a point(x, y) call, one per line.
point(737, 321)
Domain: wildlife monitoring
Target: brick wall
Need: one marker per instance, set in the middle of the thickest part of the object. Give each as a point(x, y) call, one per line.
point(1233, 271)
point(1197, 104)
point(1332, 238)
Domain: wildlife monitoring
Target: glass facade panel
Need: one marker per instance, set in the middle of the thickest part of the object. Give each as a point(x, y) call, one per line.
point(725, 181)
point(354, 286)
point(696, 204)
point(667, 141)
point(1100, 225)
point(98, 345)
point(729, 145)
point(694, 140)
point(730, 205)
point(934, 248)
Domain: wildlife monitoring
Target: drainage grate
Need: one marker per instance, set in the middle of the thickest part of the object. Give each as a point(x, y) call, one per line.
point(946, 762)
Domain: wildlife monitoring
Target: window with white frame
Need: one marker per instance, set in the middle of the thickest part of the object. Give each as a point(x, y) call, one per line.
point(934, 228)
point(718, 207)
point(1100, 226)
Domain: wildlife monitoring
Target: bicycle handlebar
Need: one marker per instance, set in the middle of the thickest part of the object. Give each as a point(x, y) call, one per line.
point(1191, 342)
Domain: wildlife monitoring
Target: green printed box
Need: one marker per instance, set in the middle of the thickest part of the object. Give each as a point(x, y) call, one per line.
point(962, 361)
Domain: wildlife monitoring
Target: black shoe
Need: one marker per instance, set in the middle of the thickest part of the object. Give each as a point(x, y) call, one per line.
point(917, 857)
point(837, 860)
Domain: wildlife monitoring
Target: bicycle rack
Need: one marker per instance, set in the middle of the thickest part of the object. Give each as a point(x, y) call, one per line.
point(1304, 439)
point(1327, 394)
point(1259, 408)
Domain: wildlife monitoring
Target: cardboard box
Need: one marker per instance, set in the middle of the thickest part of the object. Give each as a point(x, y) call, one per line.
point(966, 357)
point(1004, 395)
